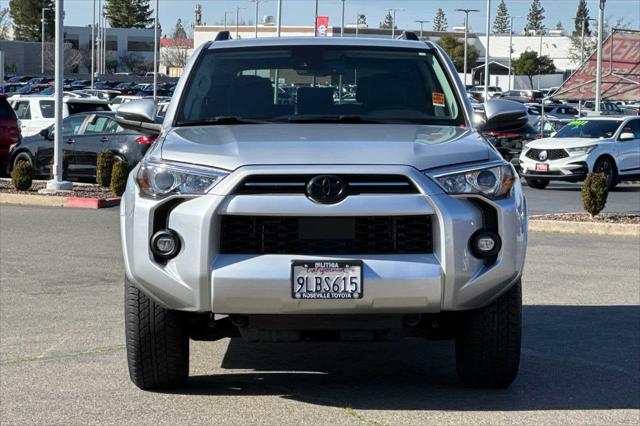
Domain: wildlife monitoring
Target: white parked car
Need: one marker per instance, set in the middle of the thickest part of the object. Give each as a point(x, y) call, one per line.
point(120, 100)
point(609, 145)
point(37, 112)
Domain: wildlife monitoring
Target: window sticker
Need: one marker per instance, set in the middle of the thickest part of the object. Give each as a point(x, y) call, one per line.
point(437, 99)
point(577, 123)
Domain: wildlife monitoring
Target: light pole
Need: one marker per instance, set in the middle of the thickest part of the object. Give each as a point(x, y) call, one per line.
point(599, 56)
point(155, 53)
point(342, 27)
point(279, 19)
point(393, 24)
point(57, 184)
point(315, 22)
point(257, 2)
point(540, 58)
point(422, 22)
point(93, 44)
point(486, 53)
point(42, 40)
point(584, 20)
point(511, 18)
point(238, 9)
point(466, 32)
point(225, 19)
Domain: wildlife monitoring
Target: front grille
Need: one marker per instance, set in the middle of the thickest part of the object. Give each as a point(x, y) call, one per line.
point(326, 235)
point(296, 184)
point(552, 154)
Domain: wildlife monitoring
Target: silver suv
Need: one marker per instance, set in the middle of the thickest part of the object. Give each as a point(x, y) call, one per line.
point(321, 188)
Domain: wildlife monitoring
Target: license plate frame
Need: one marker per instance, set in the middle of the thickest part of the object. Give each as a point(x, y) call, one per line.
point(542, 168)
point(354, 267)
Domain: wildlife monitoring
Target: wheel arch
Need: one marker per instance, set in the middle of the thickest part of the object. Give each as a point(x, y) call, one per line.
point(607, 155)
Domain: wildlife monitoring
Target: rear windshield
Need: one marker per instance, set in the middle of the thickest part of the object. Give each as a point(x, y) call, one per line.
point(75, 108)
point(320, 82)
point(589, 129)
point(5, 109)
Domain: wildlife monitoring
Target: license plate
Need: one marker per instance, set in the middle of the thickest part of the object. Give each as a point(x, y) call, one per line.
point(326, 279)
point(542, 167)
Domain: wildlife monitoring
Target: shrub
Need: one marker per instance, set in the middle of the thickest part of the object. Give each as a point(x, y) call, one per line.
point(22, 176)
point(104, 165)
point(65, 166)
point(119, 175)
point(594, 193)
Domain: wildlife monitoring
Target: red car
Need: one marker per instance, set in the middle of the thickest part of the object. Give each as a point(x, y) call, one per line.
point(9, 131)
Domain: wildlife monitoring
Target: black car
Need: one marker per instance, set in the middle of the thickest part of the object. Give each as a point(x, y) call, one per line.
point(85, 135)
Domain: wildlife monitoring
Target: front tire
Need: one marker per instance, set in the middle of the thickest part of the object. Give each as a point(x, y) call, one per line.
point(157, 342)
point(607, 166)
point(537, 183)
point(488, 346)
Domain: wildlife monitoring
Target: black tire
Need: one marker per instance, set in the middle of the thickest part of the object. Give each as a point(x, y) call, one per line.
point(157, 342)
point(488, 346)
point(607, 166)
point(22, 157)
point(537, 183)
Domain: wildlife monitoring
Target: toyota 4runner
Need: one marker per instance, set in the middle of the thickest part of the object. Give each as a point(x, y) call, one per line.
point(322, 188)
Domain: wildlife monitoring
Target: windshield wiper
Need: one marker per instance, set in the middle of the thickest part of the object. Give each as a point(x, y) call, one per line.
point(333, 119)
point(221, 120)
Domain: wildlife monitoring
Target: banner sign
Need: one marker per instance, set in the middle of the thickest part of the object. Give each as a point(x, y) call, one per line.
point(322, 25)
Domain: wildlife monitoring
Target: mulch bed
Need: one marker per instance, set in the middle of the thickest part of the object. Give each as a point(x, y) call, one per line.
point(584, 217)
point(83, 191)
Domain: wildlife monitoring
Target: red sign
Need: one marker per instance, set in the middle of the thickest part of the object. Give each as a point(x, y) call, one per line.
point(322, 25)
point(620, 71)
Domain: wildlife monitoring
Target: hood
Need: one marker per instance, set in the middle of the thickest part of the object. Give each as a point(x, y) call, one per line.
point(561, 143)
point(230, 147)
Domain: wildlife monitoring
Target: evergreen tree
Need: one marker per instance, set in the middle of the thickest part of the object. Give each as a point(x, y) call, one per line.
point(502, 23)
point(535, 18)
point(179, 31)
point(559, 26)
point(27, 15)
point(362, 20)
point(582, 13)
point(388, 21)
point(440, 21)
point(128, 13)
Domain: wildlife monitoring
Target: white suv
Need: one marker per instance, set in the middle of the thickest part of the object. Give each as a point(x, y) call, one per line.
point(37, 112)
point(609, 145)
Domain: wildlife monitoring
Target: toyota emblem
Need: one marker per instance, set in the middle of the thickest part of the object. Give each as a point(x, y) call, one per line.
point(543, 156)
point(326, 189)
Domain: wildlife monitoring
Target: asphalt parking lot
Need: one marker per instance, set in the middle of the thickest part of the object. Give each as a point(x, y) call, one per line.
point(566, 197)
point(62, 358)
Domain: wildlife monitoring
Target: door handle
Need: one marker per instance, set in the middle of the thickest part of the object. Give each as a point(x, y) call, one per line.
point(69, 141)
point(104, 139)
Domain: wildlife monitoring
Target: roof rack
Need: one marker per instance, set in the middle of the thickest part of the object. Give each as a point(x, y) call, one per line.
point(408, 35)
point(223, 35)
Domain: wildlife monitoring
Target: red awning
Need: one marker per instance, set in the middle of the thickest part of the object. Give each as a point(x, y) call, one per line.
point(620, 71)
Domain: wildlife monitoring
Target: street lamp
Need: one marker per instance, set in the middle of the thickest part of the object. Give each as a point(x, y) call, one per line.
point(466, 32)
point(540, 58)
point(155, 53)
point(315, 22)
point(393, 24)
point(584, 19)
point(422, 22)
point(342, 27)
point(42, 39)
point(238, 9)
point(486, 53)
point(599, 56)
point(257, 2)
point(93, 44)
point(511, 18)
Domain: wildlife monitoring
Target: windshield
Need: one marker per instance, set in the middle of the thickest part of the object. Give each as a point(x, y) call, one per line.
point(319, 84)
point(589, 129)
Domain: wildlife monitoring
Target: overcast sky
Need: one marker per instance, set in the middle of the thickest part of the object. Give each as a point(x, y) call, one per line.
point(300, 12)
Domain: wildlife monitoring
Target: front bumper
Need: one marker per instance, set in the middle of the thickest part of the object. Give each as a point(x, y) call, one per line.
point(201, 279)
point(572, 169)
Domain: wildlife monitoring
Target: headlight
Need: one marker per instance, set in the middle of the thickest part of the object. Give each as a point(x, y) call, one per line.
point(160, 179)
point(493, 182)
point(581, 149)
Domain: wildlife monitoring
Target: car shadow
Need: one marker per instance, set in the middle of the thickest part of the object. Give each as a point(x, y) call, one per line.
point(573, 357)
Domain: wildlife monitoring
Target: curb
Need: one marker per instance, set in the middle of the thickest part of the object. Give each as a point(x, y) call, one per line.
point(58, 201)
point(585, 228)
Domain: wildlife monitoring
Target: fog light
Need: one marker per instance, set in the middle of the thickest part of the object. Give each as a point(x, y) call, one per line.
point(485, 244)
point(165, 244)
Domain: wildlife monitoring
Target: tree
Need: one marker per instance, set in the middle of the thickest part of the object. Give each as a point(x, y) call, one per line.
point(440, 21)
point(455, 50)
point(582, 14)
point(362, 20)
point(502, 23)
point(136, 64)
point(73, 58)
point(128, 13)
point(559, 26)
point(27, 15)
point(535, 18)
point(388, 21)
point(5, 25)
point(530, 64)
point(179, 32)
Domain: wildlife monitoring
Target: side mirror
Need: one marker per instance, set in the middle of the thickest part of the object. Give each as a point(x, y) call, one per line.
point(139, 115)
point(503, 115)
point(626, 136)
point(553, 134)
point(46, 133)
